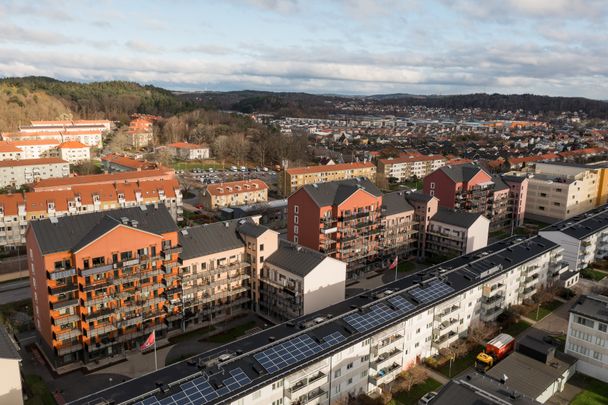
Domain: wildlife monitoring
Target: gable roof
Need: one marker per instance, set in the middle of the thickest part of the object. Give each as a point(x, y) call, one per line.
point(335, 192)
point(395, 203)
point(252, 229)
point(296, 259)
point(72, 232)
point(457, 218)
point(461, 173)
point(206, 239)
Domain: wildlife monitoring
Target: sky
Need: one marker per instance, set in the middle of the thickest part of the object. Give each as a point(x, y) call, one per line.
point(553, 47)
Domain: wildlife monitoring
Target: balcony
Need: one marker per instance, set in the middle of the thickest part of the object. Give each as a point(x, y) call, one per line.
point(60, 273)
point(96, 269)
point(385, 375)
point(168, 267)
point(64, 303)
point(125, 323)
point(98, 285)
point(445, 340)
point(98, 330)
point(64, 319)
point(100, 313)
point(66, 334)
point(63, 288)
point(490, 314)
point(381, 360)
point(69, 348)
point(495, 299)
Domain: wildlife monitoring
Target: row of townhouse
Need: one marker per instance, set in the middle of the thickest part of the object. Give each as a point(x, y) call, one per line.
point(469, 188)
point(292, 179)
point(410, 166)
point(234, 193)
point(87, 132)
point(114, 162)
point(359, 345)
point(352, 221)
point(73, 152)
point(66, 183)
point(103, 281)
point(16, 173)
point(17, 210)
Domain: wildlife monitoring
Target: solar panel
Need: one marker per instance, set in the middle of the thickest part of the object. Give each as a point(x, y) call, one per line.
point(377, 315)
point(287, 353)
point(332, 340)
point(401, 303)
point(200, 391)
point(436, 289)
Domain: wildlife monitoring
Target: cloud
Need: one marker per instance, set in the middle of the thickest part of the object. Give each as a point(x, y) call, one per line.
point(209, 49)
point(278, 6)
point(15, 34)
point(143, 46)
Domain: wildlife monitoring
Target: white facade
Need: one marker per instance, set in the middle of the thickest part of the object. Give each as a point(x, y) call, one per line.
point(37, 150)
point(29, 171)
point(75, 155)
point(10, 382)
point(443, 238)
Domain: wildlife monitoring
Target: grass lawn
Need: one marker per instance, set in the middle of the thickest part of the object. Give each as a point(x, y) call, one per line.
point(231, 334)
point(544, 310)
point(594, 392)
point(191, 335)
point(462, 363)
point(197, 165)
point(591, 274)
point(404, 267)
point(516, 328)
point(412, 396)
point(40, 394)
point(499, 234)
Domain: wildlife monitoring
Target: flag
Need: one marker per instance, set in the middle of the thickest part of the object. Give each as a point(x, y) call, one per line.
point(151, 340)
point(394, 263)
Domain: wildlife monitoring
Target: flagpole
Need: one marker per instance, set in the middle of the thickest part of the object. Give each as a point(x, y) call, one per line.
point(155, 361)
point(396, 266)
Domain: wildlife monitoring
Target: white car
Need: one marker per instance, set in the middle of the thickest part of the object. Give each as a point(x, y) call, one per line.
point(427, 398)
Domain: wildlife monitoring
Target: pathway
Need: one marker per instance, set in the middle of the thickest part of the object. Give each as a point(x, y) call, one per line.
point(435, 375)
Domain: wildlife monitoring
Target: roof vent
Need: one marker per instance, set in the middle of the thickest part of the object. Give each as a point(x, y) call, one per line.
point(134, 223)
point(184, 232)
point(299, 248)
point(226, 224)
point(124, 220)
point(54, 220)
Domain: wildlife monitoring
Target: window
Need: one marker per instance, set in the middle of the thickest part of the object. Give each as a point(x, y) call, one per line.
point(432, 193)
point(261, 247)
point(602, 327)
point(277, 384)
point(364, 374)
point(584, 321)
point(349, 366)
point(296, 209)
point(350, 381)
point(295, 238)
point(261, 259)
point(337, 389)
point(337, 373)
point(296, 219)
point(296, 229)
point(432, 186)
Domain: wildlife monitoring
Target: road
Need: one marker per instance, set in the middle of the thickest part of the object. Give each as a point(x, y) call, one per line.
point(13, 291)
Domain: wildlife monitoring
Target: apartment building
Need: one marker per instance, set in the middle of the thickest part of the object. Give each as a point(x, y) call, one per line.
point(8, 151)
point(189, 151)
point(74, 152)
point(15, 173)
point(104, 125)
point(587, 338)
point(584, 237)
point(89, 133)
point(67, 183)
point(296, 281)
point(409, 166)
point(141, 131)
point(400, 230)
point(454, 233)
point(468, 187)
point(17, 210)
point(37, 148)
point(558, 191)
point(120, 163)
point(102, 282)
point(358, 345)
point(234, 193)
point(10, 370)
point(293, 179)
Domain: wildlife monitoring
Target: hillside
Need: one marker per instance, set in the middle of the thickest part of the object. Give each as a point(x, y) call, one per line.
point(114, 100)
point(19, 105)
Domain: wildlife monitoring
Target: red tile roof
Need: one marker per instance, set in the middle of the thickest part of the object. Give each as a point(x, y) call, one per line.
point(94, 179)
point(73, 145)
point(232, 187)
point(530, 159)
point(8, 147)
point(186, 145)
point(31, 162)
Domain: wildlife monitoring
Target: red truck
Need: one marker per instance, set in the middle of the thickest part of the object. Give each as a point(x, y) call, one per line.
point(496, 350)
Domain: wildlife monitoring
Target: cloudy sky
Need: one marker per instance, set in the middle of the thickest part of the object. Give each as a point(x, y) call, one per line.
point(555, 47)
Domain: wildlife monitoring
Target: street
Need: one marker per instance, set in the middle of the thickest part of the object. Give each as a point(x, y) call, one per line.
point(14, 291)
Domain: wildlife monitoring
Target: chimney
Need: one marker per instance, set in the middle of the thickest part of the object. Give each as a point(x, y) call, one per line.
point(504, 379)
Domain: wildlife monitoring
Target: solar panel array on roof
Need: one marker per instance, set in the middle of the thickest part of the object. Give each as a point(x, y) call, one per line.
point(294, 350)
point(200, 391)
point(379, 314)
point(435, 290)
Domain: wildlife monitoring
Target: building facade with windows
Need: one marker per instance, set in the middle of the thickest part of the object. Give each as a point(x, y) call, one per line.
point(454, 233)
point(66, 183)
point(292, 179)
point(407, 167)
point(74, 152)
point(15, 173)
point(234, 193)
point(189, 151)
point(358, 345)
point(587, 338)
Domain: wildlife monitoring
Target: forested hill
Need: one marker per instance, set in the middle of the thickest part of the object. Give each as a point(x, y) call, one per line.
point(32, 97)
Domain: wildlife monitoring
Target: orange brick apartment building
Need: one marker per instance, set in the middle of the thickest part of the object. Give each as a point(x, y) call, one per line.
point(102, 282)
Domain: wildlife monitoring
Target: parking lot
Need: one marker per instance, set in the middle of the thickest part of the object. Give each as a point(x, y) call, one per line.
point(211, 176)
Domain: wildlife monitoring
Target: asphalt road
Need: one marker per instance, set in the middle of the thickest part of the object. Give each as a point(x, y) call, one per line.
point(15, 291)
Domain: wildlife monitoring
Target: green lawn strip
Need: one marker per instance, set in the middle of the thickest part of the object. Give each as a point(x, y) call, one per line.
point(231, 334)
point(516, 328)
point(197, 165)
point(461, 363)
point(412, 396)
point(191, 335)
point(595, 392)
point(591, 274)
point(544, 310)
point(406, 267)
point(40, 393)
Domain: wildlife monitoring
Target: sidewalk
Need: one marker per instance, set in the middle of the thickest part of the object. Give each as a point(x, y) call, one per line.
point(436, 375)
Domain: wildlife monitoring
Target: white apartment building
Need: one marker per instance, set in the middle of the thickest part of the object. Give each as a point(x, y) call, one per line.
point(360, 344)
point(25, 171)
point(10, 370)
point(406, 167)
point(584, 237)
point(74, 152)
point(189, 151)
point(587, 337)
point(453, 233)
point(9, 151)
point(37, 148)
point(560, 191)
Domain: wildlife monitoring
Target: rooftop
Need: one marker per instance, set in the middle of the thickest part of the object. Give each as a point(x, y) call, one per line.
point(330, 168)
point(395, 203)
point(583, 225)
point(461, 173)
point(411, 159)
point(203, 240)
point(296, 259)
point(592, 306)
point(31, 162)
point(236, 187)
point(457, 218)
point(335, 192)
point(67, 182)
point(398, 300)
point(8, 347)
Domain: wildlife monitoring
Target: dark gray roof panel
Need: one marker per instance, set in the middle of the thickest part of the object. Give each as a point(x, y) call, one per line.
point(296, 259)
point(335, 192)
point(74, 231)
point(252, 229)
point(583, 225)
point(461, 173)
point(206, 239)
point(8, 348)
point(395, 203)
point(419, 196)
point(592, 306)
point(456, 218)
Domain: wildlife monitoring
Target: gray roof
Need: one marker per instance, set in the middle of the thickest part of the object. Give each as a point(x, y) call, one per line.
point(252, 229)
point(296, 259)
point(529, 376)
point(461, 173)
point(75, 231)
point(335, 192)
point(8, 348)
point(583, 225)
point(206, 239)
point(499, 183)
point(513, 178)
point(456, 218)
point(477, 389)
point(592, 306)
point(419, 196)
point(395, 203)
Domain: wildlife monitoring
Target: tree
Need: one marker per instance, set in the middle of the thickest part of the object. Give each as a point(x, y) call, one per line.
point(86, 168)
point(480, 332)
point(221, 146)
point(408, 378)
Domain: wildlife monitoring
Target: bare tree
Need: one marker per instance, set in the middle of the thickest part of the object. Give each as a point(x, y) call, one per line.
point(481, 332)
point(409, 378)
